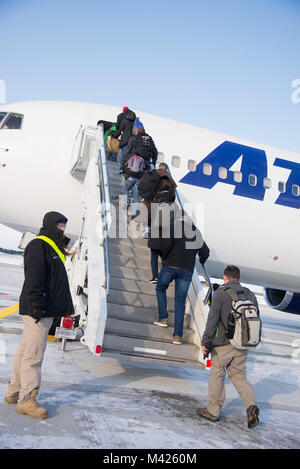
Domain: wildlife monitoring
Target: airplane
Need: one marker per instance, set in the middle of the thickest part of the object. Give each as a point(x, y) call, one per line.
point(244, 196)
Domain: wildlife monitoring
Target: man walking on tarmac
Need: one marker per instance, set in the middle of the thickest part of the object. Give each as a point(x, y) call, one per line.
point(45, 295)
point(225, 357)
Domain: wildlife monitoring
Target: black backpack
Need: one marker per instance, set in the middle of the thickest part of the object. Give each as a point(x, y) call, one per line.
point(166, 194)
point(148, 184)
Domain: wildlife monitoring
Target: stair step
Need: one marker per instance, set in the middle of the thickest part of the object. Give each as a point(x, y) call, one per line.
point(145, 331)
point(140, 314)
point(127, 250)
point(129, 242)
point(116, 188)
point(148, 358)
point(131, 274)
point(136, 299)
point(130, 261)
point(116, 179)
point(137, 286)
point(160, 349)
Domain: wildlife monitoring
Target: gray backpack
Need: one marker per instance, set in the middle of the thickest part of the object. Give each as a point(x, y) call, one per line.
point(244, 323)
point(136, 164)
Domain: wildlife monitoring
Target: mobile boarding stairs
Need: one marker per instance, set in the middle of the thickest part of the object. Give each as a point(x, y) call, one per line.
point(109, 274)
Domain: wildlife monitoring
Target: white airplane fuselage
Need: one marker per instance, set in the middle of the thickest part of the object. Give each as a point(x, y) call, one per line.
point(243, 222)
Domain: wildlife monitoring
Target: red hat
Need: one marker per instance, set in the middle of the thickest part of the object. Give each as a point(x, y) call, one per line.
point(124, 108)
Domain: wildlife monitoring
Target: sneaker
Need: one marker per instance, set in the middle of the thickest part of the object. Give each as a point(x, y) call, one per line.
point(153, 280)
point(203, 412)
point(177, 340)
point(161, 322)
point(146, 233)
point(252, 415)
point(121, 171)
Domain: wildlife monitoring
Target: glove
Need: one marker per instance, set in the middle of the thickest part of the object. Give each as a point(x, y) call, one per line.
point(38, 316)
point(204, 254)
point(209, 348)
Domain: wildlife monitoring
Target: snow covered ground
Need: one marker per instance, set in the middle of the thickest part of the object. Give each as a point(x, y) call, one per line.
point(10, 259)
point(111, 404)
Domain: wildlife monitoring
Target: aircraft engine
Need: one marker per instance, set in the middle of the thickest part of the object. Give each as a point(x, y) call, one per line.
point(283, 300)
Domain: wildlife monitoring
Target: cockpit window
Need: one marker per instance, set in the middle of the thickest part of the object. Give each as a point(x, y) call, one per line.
point(2, 115)
point(12, 121)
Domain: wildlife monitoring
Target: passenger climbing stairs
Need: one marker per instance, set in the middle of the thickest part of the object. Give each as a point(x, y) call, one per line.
point(110, 274)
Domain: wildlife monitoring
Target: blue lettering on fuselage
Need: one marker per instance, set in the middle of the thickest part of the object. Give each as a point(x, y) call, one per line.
point(254, 161)
point(287, 198)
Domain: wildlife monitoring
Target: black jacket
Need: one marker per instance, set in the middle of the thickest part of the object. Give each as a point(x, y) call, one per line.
point(46, 289)
point(142, 144)
point(125, 122)
point(217, 321)
point(182, 258)
point(178, 243)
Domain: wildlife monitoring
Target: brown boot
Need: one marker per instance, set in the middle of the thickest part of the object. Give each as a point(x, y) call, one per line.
point(12, 399)
point(31, 408)
point(203, 412)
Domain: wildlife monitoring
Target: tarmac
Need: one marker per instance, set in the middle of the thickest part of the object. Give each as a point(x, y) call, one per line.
point(116, 403)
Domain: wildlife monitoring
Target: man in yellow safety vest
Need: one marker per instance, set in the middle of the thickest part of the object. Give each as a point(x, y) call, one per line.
point(45, 295)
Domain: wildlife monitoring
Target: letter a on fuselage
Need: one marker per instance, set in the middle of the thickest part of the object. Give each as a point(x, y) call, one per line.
point(254, 161)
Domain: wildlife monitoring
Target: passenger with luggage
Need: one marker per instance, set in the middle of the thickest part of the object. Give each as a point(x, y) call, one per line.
point(133, 170)
point(165, 193)
point(166, 185)
point(112, 146)
point(45, 296)
point(154, 186)
point(233, 327)
point(143, 144)
point(178, 251)
point(124, 125)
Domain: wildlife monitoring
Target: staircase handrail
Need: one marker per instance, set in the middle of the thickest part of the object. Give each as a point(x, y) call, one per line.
point(195, 297)
point(104, 179)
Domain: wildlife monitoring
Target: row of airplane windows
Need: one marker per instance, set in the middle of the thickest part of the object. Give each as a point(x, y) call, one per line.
point(237, 175)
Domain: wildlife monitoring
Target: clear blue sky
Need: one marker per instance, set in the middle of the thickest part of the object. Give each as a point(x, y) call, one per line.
point(226, 65)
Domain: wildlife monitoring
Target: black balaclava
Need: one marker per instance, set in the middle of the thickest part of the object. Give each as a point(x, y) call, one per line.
point(50, 229)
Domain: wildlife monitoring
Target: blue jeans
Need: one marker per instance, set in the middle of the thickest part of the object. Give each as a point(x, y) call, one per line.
point(122, 150)
point(182, 282)
point(131, 185)
point(111, 156)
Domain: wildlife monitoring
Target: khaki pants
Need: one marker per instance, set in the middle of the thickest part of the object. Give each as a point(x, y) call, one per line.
point(26, 375)
point(227, 358)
